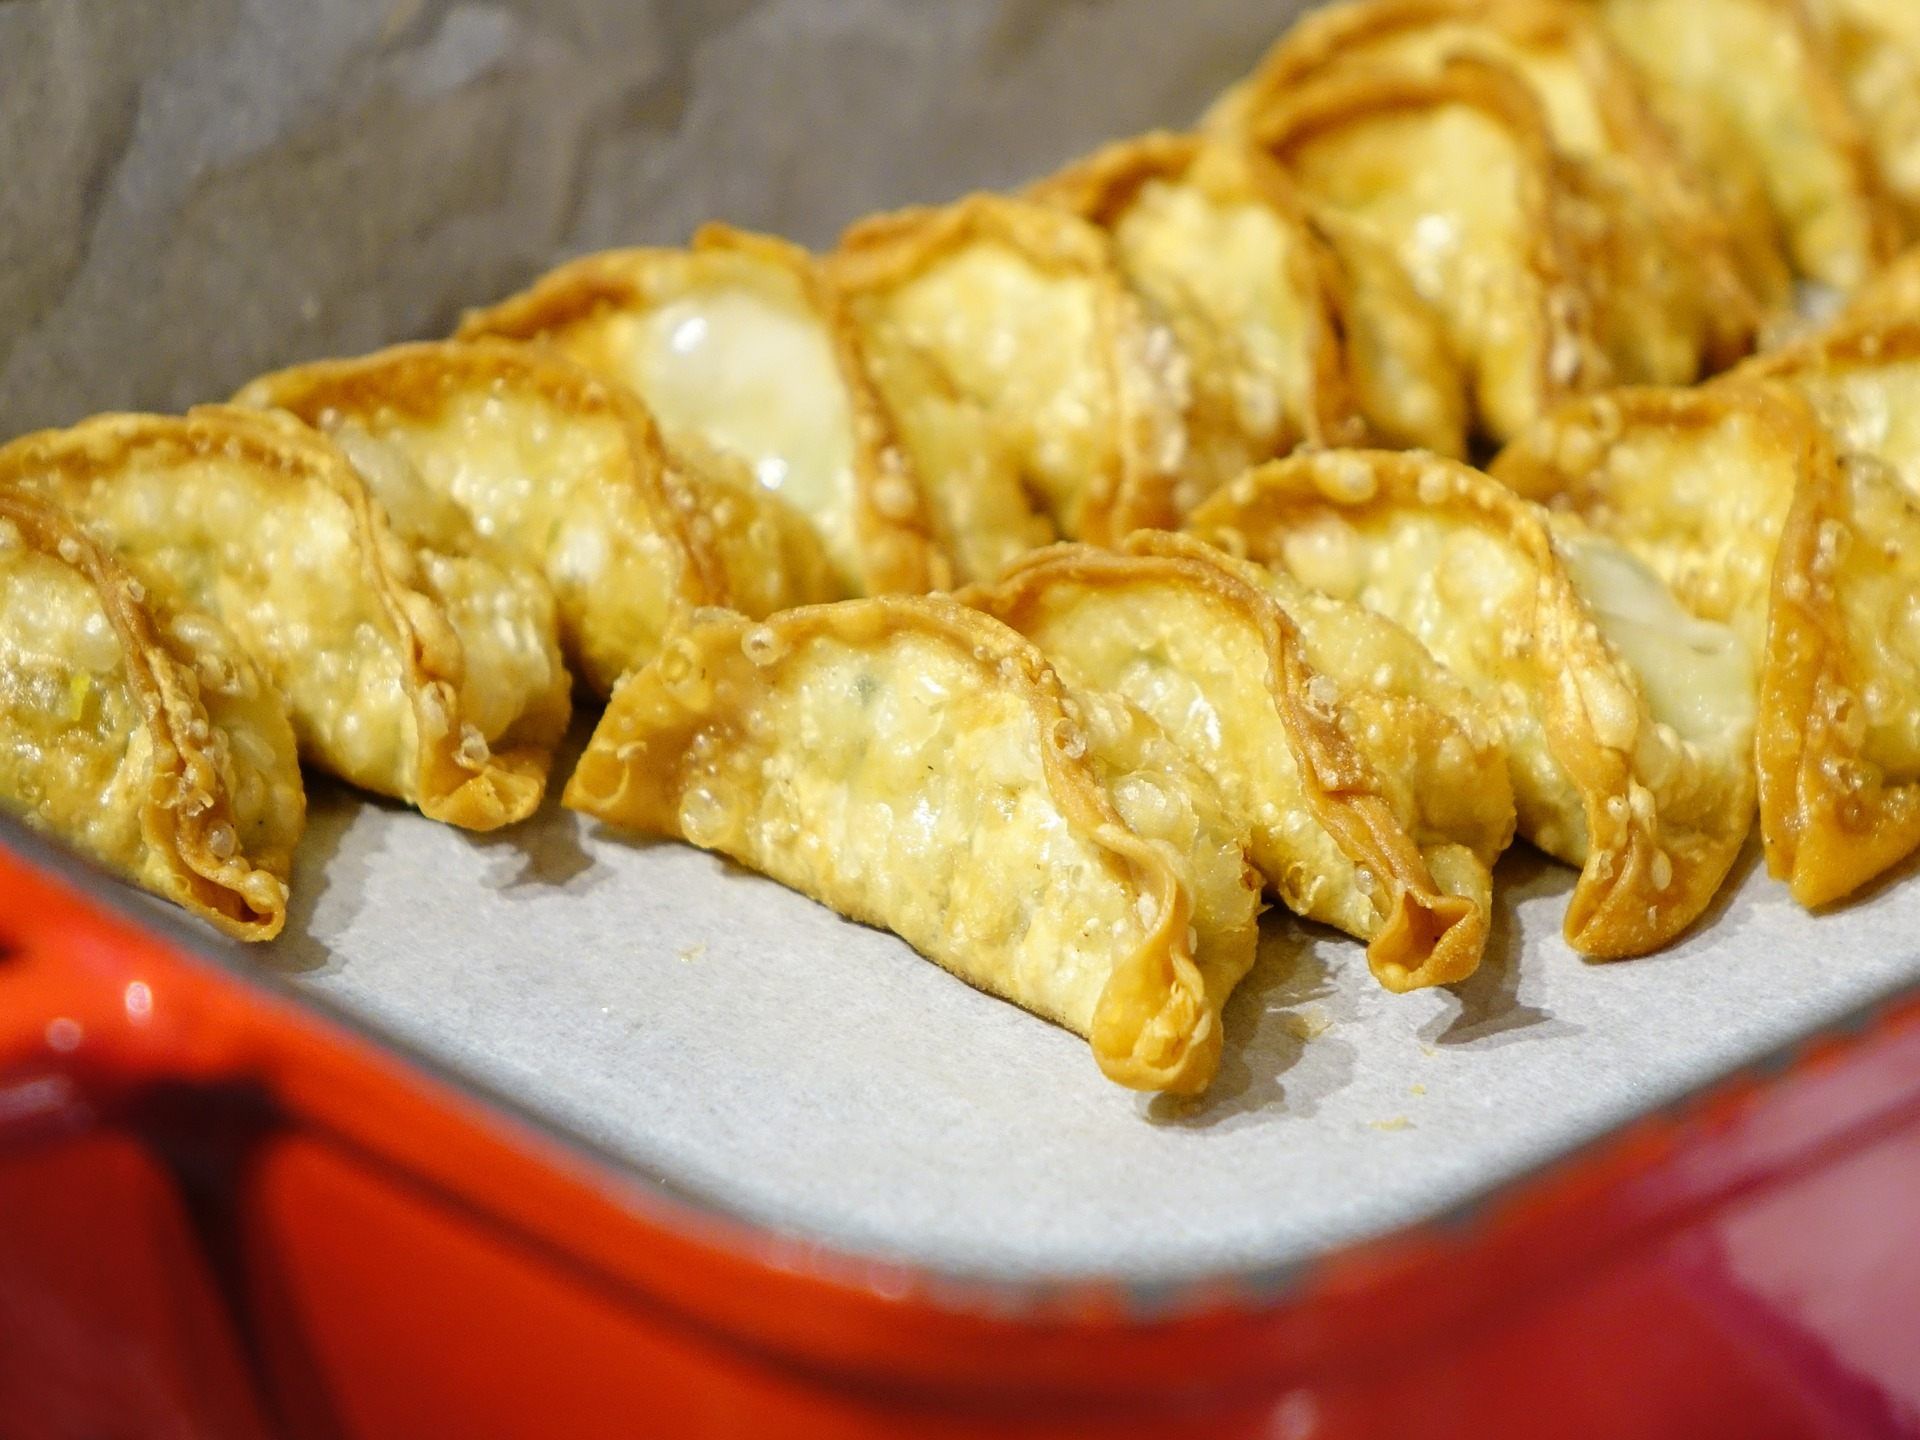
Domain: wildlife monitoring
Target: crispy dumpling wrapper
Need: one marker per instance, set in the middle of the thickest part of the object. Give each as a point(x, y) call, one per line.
point(1735, 495)
point(1747, 89)
point(1863, 379)
point(1629, 723)
point(1599, 117)
point(1891, 293)
point(1410, 385)
point(740, 345)
point(919, 767)
point(416, 660)
point(1874, 46)
point(1371, 807)
point(1210, 233)
point(145, 740)
point(1036, 397)
point(1695, 482)
point(1455, 174)
point(567, 470)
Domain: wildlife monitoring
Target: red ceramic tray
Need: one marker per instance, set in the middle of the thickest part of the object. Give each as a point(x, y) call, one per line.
point(226, 1211)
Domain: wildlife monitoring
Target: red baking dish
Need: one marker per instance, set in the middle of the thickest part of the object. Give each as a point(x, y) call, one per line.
point(227, 1211)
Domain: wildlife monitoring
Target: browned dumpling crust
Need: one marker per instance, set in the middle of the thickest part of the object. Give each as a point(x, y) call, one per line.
point(1033, 393)
point(1629, 724)
point(1874, 46)
point(1409, 383)
point(566, 469)
point(741, 347)
point(416, 660)
point(1863, 379)
point(1600, 119)
point(1891, 293)
point(1380, 814)
point(1749, 90)
point(1456, 175)
point(1212, 236)
point(1735, 495)
point(920, 767)
point(146, 741)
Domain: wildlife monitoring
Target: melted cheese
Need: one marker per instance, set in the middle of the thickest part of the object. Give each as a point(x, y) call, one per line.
point(749, 369)
point(1697, 484)
point(1697, 677)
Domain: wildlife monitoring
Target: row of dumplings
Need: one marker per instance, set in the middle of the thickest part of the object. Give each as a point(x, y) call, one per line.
point(1347, 684)
point(1167, 673)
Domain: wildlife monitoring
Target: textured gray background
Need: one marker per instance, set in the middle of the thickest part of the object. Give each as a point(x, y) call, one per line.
point(196, 190)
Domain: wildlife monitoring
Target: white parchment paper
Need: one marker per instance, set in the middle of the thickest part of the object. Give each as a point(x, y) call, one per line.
point(193, 192)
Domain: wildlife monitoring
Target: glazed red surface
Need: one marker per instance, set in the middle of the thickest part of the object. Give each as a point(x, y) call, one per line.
point(225, 1213)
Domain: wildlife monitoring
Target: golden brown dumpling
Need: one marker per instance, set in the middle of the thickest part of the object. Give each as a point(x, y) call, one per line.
point(145, 740)
point(1864, 381)
point(1875, 48)
point(1629, 724)
point(1455, 174)
point(1409, 383)
point(1747, 88)
point(1735, 495)
point(1892, 293)
point(1032, 392)
point(1596, 109)
point(1211, 235)
point(919, 767)
point(566, 469)
point(1377, 798)
point(415, 659)
point(739, 345)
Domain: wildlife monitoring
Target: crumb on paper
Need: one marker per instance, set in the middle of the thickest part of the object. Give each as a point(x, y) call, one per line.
point(1417, 1089)
point(1397, 1122)
point(1307, 1022)
point(691, 953)
point(1428, 1052)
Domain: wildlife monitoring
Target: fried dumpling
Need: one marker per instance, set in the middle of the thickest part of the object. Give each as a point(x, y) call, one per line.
point(1455, 174)
point(1875, 49)
point(1696, 482)
point(1735, 495)
point(1746, 87)
point(917, 766)
point(1212, 236)
point(1032, 392)
point(144, 739)
point(1376, 796)
point(739, 345)
point(567, 470)
point(1892, 293)
point(1864, 381)
point(1407, 380)
point(1629, 723)
point(415, 659)
point(1594, 105)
